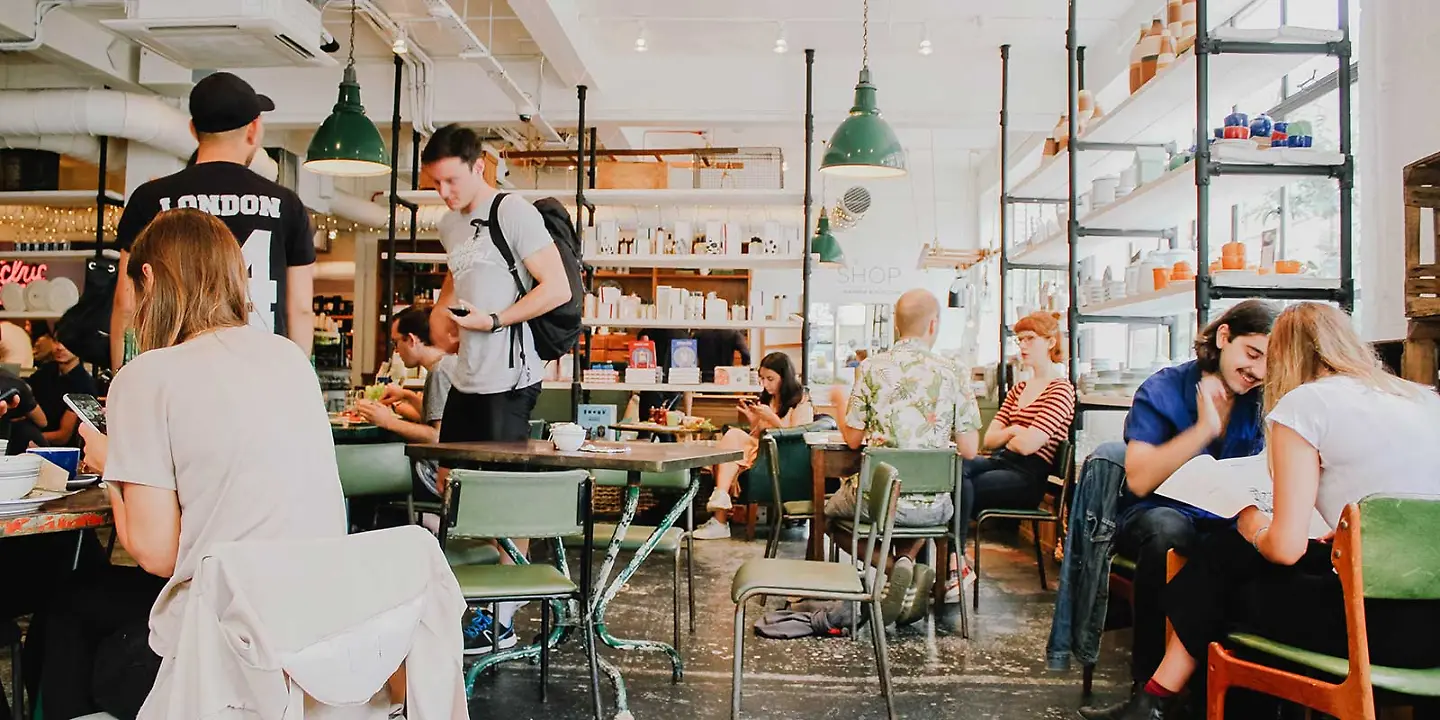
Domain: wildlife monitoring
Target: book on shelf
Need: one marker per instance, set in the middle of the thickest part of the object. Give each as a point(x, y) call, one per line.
point(642, 355)
point(642, 376)
point(684, 354)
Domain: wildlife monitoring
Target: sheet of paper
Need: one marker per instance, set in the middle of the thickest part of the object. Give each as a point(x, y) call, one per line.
point(1225, 487)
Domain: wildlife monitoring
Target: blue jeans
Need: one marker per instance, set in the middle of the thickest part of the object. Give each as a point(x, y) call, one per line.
point(1004, 480)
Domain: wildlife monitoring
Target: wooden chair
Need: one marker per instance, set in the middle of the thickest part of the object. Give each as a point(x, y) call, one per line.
point(1064, 469)
point(1393, 556)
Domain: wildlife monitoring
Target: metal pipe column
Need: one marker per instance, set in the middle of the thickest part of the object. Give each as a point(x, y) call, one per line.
point(806, 232)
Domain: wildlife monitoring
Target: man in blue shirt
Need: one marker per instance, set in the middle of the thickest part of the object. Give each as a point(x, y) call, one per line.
point(1211, 406)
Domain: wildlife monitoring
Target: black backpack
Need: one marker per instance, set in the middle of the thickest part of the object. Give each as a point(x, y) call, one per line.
point(556, 332)
point(84, 329)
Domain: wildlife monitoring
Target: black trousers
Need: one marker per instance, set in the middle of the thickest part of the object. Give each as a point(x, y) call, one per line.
point(1003, 480)
point(1146, 535)
point(96, 654)
point(1227, 586)
point(503, 416)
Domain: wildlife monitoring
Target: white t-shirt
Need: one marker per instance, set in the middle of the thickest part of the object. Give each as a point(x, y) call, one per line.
point(234, 423)
point(1370, 442)
point(489, 363)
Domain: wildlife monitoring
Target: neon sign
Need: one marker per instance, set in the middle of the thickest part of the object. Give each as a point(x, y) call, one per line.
point(21, 272)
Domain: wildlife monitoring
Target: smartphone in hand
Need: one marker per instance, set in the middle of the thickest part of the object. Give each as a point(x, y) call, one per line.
point(90, 411)
point(459, 310)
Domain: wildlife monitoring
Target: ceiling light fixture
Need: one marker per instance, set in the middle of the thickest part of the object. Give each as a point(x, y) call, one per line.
point(348, 143)
point(825, 245)
point(864, 145)
point(641, 44)
point(925, 47)
point(781, 44)
point(401, 45)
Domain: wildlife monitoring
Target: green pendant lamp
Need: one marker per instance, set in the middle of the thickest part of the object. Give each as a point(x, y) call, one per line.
point(864, 146)
point(347, 143)
point(825, 245)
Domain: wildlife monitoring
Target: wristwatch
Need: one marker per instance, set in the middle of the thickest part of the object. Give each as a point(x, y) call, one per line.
point(495, 325)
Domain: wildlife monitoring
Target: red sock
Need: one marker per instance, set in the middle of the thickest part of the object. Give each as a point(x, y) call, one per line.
point(1158, 690)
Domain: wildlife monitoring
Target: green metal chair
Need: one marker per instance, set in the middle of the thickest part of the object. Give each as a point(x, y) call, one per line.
point(924, 472)
point(825, 581)
point(487, 505)
point(1063, 468)
point(537, 429)
point(375, 470)
point(1391, 555)
point(781, 479)
point(670, 543)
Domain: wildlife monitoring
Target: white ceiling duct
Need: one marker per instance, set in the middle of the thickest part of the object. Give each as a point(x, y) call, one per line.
point(84, 147)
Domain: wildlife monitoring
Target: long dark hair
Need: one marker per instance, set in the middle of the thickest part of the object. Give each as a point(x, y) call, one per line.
point(1251, 317)
point(792, 393)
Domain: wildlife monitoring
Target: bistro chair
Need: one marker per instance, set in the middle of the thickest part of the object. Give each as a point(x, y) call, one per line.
point(537, 429)
point(670, 543)
point(924, 472)
point(1392, 555)
point(781, 479)
point(487, 505)
point(821, 580)
point(1064, 469)
point(375, 470)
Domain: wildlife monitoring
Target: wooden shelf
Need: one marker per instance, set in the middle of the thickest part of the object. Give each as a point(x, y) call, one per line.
point(56, 198)
point(682, 197)
point(697, 324)
point(40, 255)
point(1178, 298)
point(1106, 400)
point(698, 262)
point(673, 387)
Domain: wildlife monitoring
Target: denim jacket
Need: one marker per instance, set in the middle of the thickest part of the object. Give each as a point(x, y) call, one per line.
point(1084, 573)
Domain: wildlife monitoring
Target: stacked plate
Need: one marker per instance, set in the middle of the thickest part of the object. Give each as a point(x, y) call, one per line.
point(18, 475)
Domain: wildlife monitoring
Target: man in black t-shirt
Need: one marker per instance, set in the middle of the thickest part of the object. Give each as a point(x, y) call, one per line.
point(53, 380)
point(268, 220)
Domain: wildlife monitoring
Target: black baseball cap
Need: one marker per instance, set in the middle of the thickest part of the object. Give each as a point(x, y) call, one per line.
point(221, 101)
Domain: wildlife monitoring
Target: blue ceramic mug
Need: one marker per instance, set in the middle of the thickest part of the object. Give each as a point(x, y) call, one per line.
point(66, 458)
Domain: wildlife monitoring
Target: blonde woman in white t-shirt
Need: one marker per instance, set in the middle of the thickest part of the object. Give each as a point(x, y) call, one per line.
point(1338, 428)
point(218, 433)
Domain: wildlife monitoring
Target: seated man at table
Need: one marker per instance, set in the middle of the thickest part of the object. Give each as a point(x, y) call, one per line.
point(908, 397)
point(410, 333)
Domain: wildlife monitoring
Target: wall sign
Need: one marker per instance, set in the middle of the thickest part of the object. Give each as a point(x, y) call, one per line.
point(21, 272)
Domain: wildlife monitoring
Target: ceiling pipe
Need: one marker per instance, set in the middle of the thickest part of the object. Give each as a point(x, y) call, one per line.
point(84, 147)
point(37, 39)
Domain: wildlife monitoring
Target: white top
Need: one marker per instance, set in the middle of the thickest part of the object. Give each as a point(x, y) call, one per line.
point(15, 346)
point(1370, 442)
point(489, 363)
point(232, 421)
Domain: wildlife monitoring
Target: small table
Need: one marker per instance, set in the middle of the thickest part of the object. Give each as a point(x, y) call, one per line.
point(85, 510)
point(642, 458)
point(827, 459)
point(359, 434)
point(676, 431)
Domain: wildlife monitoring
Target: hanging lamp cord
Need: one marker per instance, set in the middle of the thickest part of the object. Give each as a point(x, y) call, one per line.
point(865, 36)
point(352, 36)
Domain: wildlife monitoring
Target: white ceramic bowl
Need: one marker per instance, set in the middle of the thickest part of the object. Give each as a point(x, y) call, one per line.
point(18, 486)
point(568, 437)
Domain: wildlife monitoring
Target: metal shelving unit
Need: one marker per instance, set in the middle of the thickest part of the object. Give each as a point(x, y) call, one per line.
point(1148, 117)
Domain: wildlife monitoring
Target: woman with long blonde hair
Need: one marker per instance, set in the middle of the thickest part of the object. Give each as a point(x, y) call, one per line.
point(219, 434)
point(1339, 428)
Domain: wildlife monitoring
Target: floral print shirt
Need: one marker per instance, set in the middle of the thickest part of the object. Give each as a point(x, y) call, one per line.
point(911, 398)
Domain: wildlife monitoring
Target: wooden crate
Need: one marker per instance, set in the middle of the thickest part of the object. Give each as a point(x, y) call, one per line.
point(1422, 270)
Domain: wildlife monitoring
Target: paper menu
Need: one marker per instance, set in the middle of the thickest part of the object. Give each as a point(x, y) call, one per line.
point(1225, 487)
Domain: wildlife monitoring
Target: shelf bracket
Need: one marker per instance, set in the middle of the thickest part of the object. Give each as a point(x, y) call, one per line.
point(1220, 168)
point(1083, 145)
point(1022, 200)
point(1034, 266)
point(1124, 233)
point(1124, 320)
point(1244, 47)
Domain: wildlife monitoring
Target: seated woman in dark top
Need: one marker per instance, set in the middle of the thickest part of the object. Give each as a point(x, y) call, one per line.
point(52, 381)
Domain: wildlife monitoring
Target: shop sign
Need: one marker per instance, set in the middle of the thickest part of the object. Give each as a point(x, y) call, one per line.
point(21, 272)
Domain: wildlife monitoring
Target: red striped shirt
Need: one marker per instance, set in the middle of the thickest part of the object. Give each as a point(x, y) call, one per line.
point(1052, 413)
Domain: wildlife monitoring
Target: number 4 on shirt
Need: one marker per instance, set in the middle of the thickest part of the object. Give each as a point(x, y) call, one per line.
point(263, 288)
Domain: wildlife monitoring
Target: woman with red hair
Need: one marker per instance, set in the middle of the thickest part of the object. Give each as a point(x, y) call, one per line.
point(1034, 418)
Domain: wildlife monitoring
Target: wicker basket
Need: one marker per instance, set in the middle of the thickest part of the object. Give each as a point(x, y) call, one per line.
point(608, 501)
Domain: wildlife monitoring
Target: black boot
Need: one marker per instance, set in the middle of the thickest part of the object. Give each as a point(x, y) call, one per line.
point(1140, 706)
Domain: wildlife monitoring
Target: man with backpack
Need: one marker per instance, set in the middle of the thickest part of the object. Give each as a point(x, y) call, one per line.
point(510, 302)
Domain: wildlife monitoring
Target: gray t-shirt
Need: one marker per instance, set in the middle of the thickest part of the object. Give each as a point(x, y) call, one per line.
point(432, 410)
point(492, 363)
point(184, 418)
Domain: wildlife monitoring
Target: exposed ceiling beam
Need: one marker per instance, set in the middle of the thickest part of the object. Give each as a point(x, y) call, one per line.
point(554, 25)
point(77, 44)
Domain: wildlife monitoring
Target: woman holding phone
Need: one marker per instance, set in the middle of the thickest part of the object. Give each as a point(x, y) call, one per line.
point(782, 403)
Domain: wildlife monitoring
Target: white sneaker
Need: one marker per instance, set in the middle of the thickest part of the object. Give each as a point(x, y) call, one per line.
point(712, 530)
point(719, 500)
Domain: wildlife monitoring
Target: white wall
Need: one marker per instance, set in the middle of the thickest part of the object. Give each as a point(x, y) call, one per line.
point(1399, 40)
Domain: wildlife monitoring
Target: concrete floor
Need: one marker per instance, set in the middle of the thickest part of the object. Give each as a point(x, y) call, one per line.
point(998, 673)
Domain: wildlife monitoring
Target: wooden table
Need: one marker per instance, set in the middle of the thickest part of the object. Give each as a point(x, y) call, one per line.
point(658, 429)
point(89, 508)
point(642, 458)
point(827, 460)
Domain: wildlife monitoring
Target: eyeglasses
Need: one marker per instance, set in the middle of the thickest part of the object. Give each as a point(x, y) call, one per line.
point(1024, 338)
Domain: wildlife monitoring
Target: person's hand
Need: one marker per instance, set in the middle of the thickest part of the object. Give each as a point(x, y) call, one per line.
point(475, 320)
point(1209, 396)
point(1250, 522)
point(393, 394)
point(97, 447)
point(765, 414)
point(380, 416)
point(746, 411)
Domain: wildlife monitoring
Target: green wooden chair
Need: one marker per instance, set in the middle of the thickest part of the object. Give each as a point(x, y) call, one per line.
point(486, 505)
point(1391, 555)
point(781, 479)
point(671, 543)
point(1064, 469)
point(816, 579)
point(924, 472)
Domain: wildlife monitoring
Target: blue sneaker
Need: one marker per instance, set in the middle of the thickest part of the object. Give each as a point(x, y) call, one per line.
point(479, 630)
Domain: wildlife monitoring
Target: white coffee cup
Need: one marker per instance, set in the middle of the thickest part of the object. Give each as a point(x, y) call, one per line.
point(568, 437)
